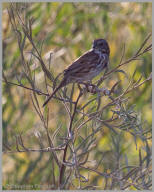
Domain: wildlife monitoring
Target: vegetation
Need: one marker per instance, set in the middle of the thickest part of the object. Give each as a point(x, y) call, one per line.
point(80, 140)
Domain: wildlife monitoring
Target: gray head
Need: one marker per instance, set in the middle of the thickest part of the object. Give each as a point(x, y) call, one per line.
point(101, 45)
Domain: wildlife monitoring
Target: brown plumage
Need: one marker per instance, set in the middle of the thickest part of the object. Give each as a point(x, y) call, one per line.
point(87, 66)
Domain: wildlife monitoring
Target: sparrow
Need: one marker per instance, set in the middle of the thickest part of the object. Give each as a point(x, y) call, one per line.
point(87, 66)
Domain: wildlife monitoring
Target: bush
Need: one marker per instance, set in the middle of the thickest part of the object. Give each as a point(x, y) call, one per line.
point(83, 138)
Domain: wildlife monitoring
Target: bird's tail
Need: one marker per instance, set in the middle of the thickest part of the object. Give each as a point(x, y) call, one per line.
point(62, 84)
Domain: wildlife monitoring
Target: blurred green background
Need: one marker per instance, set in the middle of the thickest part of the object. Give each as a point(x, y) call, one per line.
point(69, 29)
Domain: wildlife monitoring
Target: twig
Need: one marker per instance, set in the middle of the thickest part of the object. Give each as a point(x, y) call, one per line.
point(62, 170)
point(39, 92)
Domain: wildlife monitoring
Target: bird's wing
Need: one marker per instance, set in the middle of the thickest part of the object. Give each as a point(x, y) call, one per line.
point(83, 64)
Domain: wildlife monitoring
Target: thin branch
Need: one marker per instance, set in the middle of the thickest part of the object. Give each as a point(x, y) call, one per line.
point(62, 170)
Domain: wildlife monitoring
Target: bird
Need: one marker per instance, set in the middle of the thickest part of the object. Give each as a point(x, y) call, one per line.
point(86, 67)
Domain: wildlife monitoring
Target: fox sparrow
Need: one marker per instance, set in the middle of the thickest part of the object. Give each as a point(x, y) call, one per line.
point(87, 66)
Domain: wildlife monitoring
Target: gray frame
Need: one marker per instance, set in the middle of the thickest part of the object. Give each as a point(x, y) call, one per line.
point(115, 1)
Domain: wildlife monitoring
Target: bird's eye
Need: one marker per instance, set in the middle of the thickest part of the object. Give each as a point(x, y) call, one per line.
point(100, 44)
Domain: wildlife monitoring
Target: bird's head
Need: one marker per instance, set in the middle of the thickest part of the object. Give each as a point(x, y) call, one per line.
point(101, 45)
